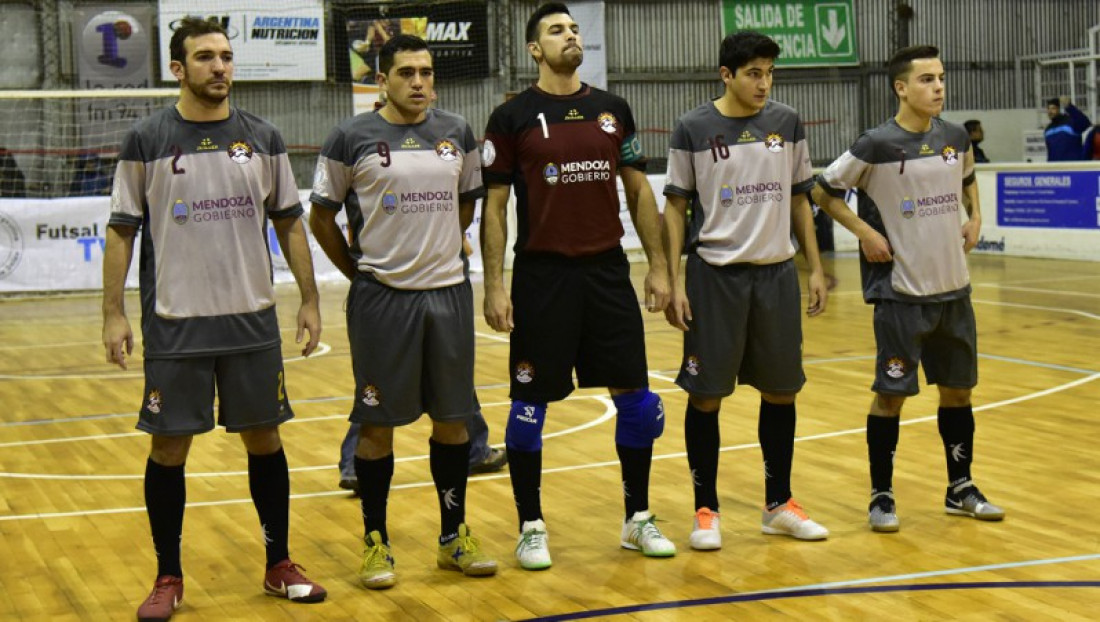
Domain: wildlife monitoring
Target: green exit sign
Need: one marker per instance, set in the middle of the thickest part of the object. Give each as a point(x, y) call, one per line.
point(809, 34)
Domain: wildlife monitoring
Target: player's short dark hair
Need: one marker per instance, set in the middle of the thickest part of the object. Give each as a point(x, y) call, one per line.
point(550, 8)
point(398, 43)
point(744, 45)
point(188, 27)
point(902, 61)
point(972, 125)
point(1054, 102)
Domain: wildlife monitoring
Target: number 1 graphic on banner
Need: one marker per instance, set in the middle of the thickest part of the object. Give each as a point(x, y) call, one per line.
point(110, 55)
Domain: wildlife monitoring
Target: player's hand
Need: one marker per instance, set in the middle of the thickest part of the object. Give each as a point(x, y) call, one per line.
point(656, 290)
point(678, 311)
point(309, 318)
point(875, 247)
point(819, 293)
point(498, 310)
point(971, 231)
point(118, 339)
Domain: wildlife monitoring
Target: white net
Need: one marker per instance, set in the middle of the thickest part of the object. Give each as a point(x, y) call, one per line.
point(65, 143)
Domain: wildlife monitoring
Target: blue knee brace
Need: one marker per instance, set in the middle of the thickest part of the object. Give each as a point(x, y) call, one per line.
point(524, 431)
point(641, 418)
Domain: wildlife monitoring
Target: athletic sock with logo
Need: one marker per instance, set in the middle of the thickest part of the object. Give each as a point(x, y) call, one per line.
point(882, 442)
point(269, 483)
point(165, 498)
point(374, 490)
point(957, 432)
point(775, 429)
point(703, 438)
point(448, 464)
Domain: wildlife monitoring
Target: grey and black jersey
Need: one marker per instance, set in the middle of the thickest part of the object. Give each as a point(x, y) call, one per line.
point(201, 194)
point(740, 173)
point(911, 191)
point(401, 186)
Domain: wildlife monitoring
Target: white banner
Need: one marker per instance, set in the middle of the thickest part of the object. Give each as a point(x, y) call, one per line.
point(589, 15)
point(285, 40)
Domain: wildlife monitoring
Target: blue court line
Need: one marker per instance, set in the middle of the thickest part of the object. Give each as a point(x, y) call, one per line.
point(814, 591)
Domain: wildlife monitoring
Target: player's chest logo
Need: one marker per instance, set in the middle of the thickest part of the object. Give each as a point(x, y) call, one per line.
point(950, 155)
point(607, 122)
point(240, 152)
point(774, 143)
point(446, 150)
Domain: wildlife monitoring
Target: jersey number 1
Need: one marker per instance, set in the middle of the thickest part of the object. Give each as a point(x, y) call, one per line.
point(545, 130)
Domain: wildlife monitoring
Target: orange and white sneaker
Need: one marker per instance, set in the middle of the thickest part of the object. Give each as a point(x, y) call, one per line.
point(790, 519)
point(706, 535)
point(166, 597)
point(285, 579)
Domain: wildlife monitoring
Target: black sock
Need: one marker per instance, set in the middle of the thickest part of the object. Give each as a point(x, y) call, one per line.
point(374, 490)
point(449, 471)
point(703, 438)
point(882, 442)
point(635, 468)
point(525, 469)
point(269, 482)
point(775, 429)
point(165, 497)
point(957, 431)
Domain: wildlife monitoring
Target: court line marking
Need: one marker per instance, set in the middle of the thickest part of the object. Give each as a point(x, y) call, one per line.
point(995, 303)
point(1039, 290)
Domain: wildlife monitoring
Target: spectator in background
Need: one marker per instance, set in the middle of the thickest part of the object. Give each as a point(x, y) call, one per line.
point(91, 176)
point(12, 182)
point(1063, 135)
point(977, 135)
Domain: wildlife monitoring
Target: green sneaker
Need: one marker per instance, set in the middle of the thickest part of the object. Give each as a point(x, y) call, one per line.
point(464, 553)
point(376, 573)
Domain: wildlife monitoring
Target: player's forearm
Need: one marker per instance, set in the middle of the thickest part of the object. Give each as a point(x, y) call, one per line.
point(971, 202)
point(331, 240)
point(673, 229)
point(494, 236)
point(643, 213)
point(466, 214)
point(838, 210)
point(117, 253)
point(802, 221)
point(295, 246)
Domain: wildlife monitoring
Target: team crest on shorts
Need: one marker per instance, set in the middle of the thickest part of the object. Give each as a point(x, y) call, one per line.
point(240, 152)
point(774, 142)
point(446, 150)
point(950, 155)
point(152, 403)
point(607, 122)
point(550, 173)
point(525, 372)
point(371, 395)
point(179, 212)
point(389, 201)
point(908, 208)
point(725, 195)
point(691, 365)
point(895, 367)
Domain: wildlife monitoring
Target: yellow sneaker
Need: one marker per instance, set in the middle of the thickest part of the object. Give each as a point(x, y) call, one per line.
point(464, 553)
point(376, 573)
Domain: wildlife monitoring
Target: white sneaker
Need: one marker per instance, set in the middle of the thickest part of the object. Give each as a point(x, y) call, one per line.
point(706, 535)
point(640, 533)
point(533, 546)
point(790, 519)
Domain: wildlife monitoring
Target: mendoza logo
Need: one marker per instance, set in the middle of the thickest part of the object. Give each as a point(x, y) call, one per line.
point(774, 142)
point(240, 152)
point(180, 212)
point(550, 173)
point(725, 195)
point(286, 29)
point(11, 245)
point(446, 150)
point(607, 122)
point(389, 202)
point(908, 208)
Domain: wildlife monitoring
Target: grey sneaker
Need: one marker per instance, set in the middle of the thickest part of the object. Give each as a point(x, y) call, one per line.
point(882, 514)
point(967, 500)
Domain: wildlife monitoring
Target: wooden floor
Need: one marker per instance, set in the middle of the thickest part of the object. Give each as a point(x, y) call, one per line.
point(74, 538)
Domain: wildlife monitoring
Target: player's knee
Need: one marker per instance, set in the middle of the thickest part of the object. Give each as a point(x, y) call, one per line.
point(525, 421)
point(641, 418)
point(954, 398)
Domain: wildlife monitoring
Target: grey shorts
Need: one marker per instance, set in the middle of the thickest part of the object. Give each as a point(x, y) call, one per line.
point(179, 393)
point(941, 336)
point(746, 328)
point(412, 351)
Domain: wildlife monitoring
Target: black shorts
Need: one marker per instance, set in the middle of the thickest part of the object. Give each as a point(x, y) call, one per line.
point(571, 313)
point(941, 336)
point(179, 393)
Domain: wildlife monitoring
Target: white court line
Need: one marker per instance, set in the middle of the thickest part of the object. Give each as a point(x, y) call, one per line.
point(995, 303)
point(1039, 290)
point(322, 349)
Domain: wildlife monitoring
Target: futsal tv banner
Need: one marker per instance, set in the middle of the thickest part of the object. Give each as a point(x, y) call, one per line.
point(284, 40)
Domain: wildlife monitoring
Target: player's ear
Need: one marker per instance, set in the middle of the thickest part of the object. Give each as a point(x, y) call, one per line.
point(535, 50)
point(177, 70)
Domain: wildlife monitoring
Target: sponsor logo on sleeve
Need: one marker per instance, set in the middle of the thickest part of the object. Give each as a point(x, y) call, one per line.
point(488, 152)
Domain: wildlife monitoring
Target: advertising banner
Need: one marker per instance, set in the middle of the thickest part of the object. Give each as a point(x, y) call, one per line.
point(810, 33)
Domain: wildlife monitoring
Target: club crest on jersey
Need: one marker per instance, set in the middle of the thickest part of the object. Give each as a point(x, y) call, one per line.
point(446, 150)
point(153, 402)
point(371, 395)
point(895, 367)
point(389, 201)
point(725, 195)
point(607, 122)
point(488, 152)
point(240, 152)
point(525, 372)
point(908, 208)
point(950, 155)
point(550, 173)
point(774, 142)
point(691, 365)
point(180, 212)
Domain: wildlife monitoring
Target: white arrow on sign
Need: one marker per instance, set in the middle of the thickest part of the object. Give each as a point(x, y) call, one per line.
point(833, 32)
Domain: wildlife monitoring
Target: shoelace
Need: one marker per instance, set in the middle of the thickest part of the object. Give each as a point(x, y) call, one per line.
point(533, 539)
point(469, 546)
point(377, 556)
point(294, 571)
point(160, 590)
point(706, 519)
point(648, 530)
point(794, 508)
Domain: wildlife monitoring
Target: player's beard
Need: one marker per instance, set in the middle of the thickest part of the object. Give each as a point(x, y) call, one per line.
point(205, 92)
point(567, 62)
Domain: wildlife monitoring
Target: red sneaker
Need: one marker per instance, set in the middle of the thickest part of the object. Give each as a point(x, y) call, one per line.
point(286, 580)
point(166, 597)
